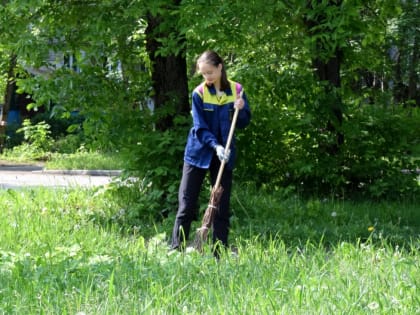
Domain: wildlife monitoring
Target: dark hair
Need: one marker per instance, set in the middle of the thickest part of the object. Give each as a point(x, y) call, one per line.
point(212, 58)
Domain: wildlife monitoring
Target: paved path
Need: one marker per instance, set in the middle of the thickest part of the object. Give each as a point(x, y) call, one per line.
point(17, 176)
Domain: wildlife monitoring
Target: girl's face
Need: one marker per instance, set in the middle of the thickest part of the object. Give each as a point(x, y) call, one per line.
point(211, 74)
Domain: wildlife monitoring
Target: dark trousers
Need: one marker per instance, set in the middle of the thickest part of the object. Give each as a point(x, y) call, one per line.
point(189, 191)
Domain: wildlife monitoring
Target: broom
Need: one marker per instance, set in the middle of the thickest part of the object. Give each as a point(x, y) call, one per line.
point(216, 193)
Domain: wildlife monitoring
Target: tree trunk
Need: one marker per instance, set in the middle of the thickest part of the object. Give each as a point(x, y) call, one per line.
point(169, 72)
point(328, 71)
point(10, 86)
point(413, 94)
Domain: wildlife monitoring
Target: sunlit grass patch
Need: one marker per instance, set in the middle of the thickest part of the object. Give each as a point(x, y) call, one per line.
point(85, 160)
point(65, 252)
point(63, 161)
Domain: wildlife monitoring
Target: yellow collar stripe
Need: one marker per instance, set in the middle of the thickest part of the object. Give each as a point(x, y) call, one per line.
point(215, 99)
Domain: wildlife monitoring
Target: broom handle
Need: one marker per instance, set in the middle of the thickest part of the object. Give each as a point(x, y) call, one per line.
point(229, 140)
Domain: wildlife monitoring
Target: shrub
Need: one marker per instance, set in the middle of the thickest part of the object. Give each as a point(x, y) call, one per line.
point(37, 142)
point(377, 151)
point(370, 162)
point(156, 162)
point(69, 144)
point(290, 144)
point(62, 123)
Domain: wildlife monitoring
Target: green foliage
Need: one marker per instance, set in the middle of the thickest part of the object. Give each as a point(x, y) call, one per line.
point(37, 143)
point(330, 25)
point(12, 137)
point(371, 160)
point(302, 153)
point(61, 122)
point(265, 145)
point(377, 154)
point(39, 135)
point(3, 76)
point(69, 144)
point(156, 161)
point(291, 141)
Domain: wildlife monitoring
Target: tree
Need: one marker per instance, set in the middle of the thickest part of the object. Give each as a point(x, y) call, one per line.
point(9, 90)
point(312, 71)
point(405, 53)
point(10, 25)
point(166, 48)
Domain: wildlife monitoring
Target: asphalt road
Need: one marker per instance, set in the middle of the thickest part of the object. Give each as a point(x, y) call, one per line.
point(18, 176)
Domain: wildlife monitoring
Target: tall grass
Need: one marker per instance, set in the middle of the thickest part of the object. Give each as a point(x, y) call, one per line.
point(64, 252)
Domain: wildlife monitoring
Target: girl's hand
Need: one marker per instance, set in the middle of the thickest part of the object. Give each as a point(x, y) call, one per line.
point(239, 103)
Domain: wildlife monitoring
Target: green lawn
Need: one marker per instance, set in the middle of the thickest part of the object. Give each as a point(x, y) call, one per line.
point(74, 161)
point(63, 252)
point(86, 160)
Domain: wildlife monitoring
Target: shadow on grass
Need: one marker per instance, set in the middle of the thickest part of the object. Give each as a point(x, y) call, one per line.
point(328, 222)
point(292, 219)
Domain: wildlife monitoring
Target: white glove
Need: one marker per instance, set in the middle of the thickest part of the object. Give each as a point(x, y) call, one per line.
point(222, 154)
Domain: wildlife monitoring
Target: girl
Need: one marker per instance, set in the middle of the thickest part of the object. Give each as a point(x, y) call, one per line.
point(213, 103)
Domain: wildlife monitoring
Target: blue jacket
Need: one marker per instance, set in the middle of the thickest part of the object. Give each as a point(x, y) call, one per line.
point(212, 117)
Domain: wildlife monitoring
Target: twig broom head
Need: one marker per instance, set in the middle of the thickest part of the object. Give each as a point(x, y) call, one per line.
point(203, 231)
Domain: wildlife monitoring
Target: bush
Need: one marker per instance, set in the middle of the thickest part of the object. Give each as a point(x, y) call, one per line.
point(65, 129)
point(155, 162)
point(37, 142)
point(377, 152)
point(69, 144)
point(12, 137)
point(61, 123)
point(290, 143)
point(371, 160)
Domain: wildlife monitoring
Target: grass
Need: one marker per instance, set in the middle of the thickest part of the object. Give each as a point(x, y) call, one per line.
point(74, 161)
point(65, 252)
point(85, 160)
